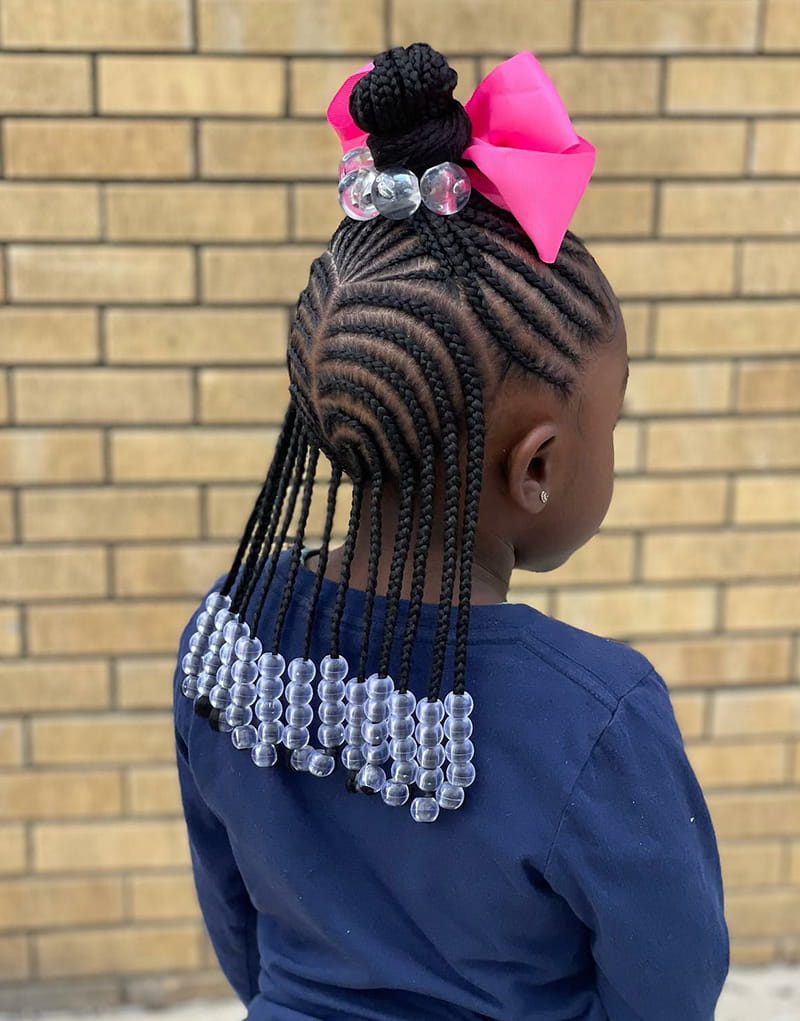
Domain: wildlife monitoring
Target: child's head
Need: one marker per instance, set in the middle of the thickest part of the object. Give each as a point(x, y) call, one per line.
point(467, 388)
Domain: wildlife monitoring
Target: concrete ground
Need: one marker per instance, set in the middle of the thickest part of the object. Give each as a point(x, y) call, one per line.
point(750, 994)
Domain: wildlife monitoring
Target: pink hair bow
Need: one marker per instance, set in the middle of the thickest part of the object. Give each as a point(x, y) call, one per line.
point(528, 158)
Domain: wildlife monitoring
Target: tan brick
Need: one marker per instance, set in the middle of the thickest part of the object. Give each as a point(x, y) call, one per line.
point(190, 85)
point(92, 147)
point(195, 336)
point(613, 208)
point(718, 444)
point(59, 902)
point(733, 85)
point(197, 212)
point(181, 454)
point(120, 951)
point(270, 149)
point(103, 738)
point(755, 814)
point(454, 25)
point(724, 660)
point(762, 913)
point(751, 863)
point(726, 327)
point(317, 213)
point(3, 399)
point(31, 573)
point(10, 743)
point(14, 958)
point(102, 273)
point(651, 503)
point(768, 386)
point(776, 146)
point(7, 526)
point(10, 631)
point(48, 334)
point(656, 268)
point(639, 610)
point(50, 455)
point(669, 26)
point(175, 570)
point(690, 712)
point(737, 764)
point(107, 627)
point(666, 148)
point(49, 211)
point(229, 507)
point(637, 327)
point(794, 873)
point(103, 395)
point(627, 447)
point(771, 267)
point(37, 84)
point(38, 794)
point(95, 24)
point(725, 210)
point(13, 852)
point(763, 712)
point(605, 558)
point(166, 897)
point(602, 85)
point(720, 555)
point(154, 791)
point(146, 682)
point(762, 606)
point(767, 499)
point(255, 275)
point(781, 26)
point(30, 685)
point(138, 512)
point(659, 387)
point(128, 844)
point(243, 395)
point(240, 25)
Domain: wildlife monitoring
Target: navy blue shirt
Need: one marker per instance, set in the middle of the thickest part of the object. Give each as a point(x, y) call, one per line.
point(580, 879)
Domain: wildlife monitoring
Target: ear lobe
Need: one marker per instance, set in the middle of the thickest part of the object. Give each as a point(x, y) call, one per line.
point(529, 467)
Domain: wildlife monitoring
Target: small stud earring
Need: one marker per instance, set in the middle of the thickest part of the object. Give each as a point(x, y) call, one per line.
point(544, 496)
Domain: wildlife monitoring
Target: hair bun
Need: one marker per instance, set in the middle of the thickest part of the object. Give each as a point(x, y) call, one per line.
point(406, 104)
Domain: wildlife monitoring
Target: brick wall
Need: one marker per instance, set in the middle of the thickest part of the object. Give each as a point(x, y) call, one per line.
point(167, 176)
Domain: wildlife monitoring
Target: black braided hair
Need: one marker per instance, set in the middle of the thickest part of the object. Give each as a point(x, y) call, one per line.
point(399, 343)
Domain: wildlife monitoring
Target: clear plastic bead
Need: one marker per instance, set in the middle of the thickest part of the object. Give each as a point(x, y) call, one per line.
point(299, 692)
point(234, 628)
point(238, 715)
point(405, 772)
point(192, 663)
point(300, 758)
point(216, 601)
point(244, 737)
point(198, 643)
point(248, 649)
point(352, 756)
point(458, 729)
point(268, 709)
point(227, 654)
point(269, 687)
point(356, 692)
point(403, 749)
point(395, 793)
point(458, 706)
point(334, 668)
point(299, 715)
point(355, 194)
point(450, 795)
point(216, 639)
point(331, 691)
point(429, 779)
point(355, 714)
point(271, 664)
point(432, 757)
point(331, 735)
point(243, 694)
point(355, 159)
point(401, 726)
point(429, 733)
point(321, 764)
point(371, 779)
point(460, 751)
point(374, 733)
point(462, 774)
point(331, 712)
point(225, 677)
point(424, 809)
point(376, 753)
point(377, 711)
point(244, 672)
point(445, 188)
point(270, 731)
point(430, 712)
point(189, 686)
point(302, 670)
point(379, 688)
point(295, 737)
point(352, 733)
point(205, 623)
point(223, 726)
point(220, 698)
point(395, 193)
point(264, 754)
point(402, 703)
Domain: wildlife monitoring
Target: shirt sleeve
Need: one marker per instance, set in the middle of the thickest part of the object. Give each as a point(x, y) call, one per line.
point(635, 857)
point(228, 912)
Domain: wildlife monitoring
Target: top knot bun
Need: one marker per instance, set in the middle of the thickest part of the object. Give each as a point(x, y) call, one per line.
point(406, 104)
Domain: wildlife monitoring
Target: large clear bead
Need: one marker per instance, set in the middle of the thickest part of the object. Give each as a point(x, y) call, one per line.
point(271, 664)
point(333, 668)
point(396, 194)
point(395, 793)
point(264, 754)
point(445, 188)
point(450, 795)
point(371, 779)
point(458, 706)
point(355, 159)
point(302, 670)
point(355, 194)
point(424, 809)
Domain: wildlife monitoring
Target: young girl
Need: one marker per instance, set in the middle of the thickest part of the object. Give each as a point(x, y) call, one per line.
point(539, 847)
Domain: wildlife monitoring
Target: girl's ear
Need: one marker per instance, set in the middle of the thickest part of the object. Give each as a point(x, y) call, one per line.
point(529, 468)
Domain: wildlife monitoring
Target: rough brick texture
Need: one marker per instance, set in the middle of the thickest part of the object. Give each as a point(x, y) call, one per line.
point(166, 178)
